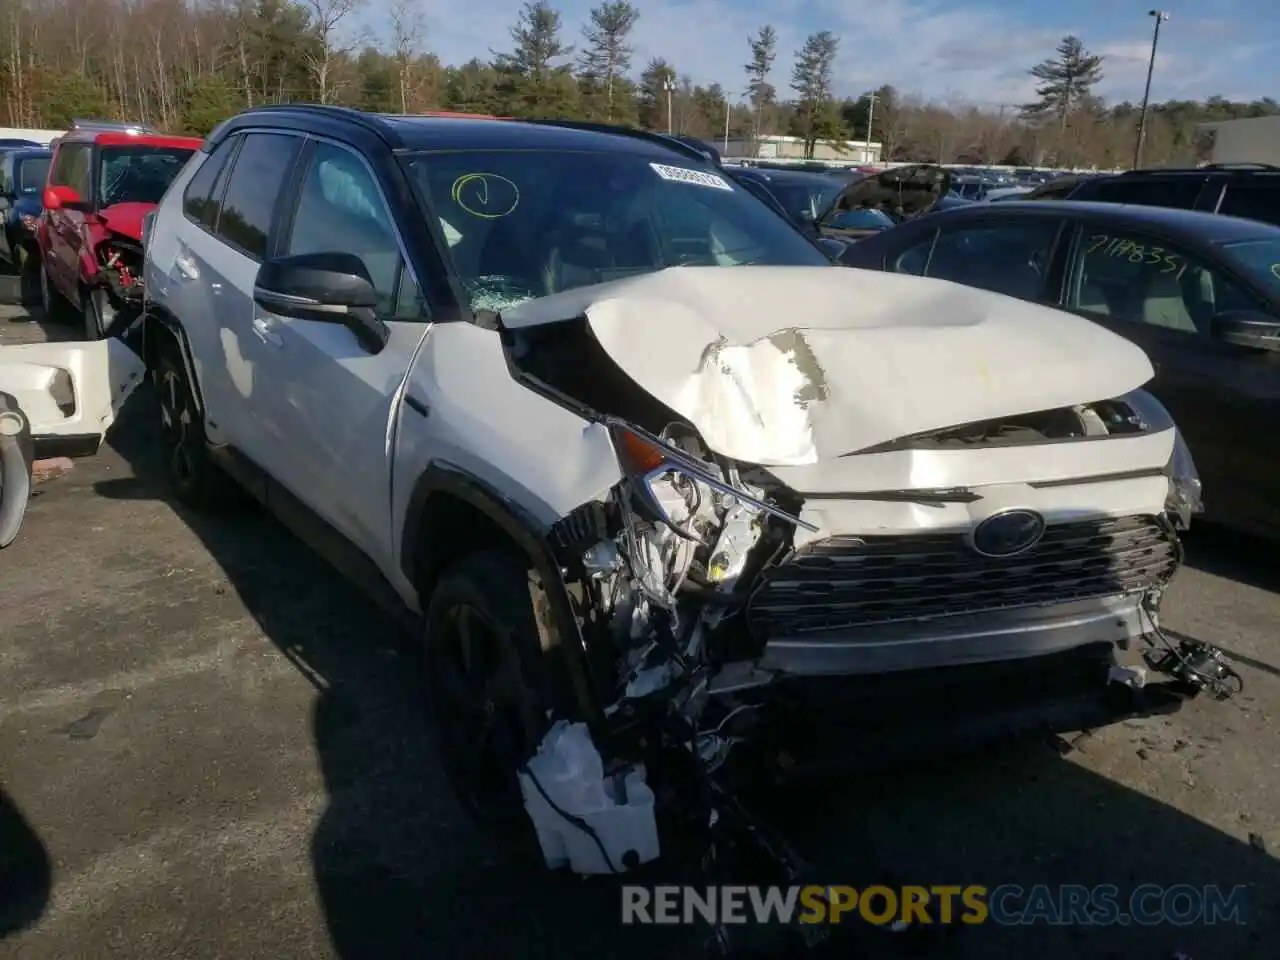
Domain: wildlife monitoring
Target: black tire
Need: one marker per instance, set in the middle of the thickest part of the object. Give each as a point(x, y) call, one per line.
point(484, 675)
point(55, 305)
point(91, 315)
point(194, 477)
point(27, 264)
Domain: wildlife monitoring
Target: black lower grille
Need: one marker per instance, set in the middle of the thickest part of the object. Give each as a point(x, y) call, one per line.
point(847, 582)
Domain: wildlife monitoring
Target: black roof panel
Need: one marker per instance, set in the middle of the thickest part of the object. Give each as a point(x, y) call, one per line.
point(1206, 226)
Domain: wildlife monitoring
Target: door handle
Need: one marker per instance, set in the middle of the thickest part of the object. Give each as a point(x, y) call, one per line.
point(186, 266)
point(265, 329)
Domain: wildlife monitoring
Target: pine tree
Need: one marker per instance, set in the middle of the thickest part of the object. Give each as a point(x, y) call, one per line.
point(608, 54)
point(532, 84)
point(1066, 81)
point(811, 79)
point(764, 50)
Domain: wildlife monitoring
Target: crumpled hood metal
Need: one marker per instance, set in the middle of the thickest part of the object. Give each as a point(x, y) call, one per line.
point(786, 366)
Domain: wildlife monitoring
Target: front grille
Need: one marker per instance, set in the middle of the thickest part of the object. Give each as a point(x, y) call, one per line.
point(847, 582)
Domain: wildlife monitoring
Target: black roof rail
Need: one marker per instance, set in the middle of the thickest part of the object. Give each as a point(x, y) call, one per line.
point(1240, 166)
point(370, 122)
point(670, 141)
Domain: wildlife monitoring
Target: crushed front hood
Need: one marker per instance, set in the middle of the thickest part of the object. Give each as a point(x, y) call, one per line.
point(786, 366)
point(126, 218)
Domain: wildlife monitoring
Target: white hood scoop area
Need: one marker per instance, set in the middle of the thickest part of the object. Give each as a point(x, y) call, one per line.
point(787, 366)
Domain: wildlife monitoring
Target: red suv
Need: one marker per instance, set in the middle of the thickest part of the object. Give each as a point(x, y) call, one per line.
point(104, 178)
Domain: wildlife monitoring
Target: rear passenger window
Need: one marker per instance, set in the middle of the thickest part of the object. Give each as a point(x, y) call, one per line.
point(257, 182)
point(1254, 199)
point(200, 201)
point(1177, 192)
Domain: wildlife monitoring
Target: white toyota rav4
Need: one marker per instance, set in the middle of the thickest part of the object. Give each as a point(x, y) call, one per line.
point(632, 452)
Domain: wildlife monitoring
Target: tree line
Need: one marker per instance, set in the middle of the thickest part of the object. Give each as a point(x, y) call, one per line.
point(184, 65)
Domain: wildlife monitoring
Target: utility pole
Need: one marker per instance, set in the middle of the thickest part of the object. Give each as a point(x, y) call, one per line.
point(1160, 16)
point(669, 85)
point(726, 126)
point(871, 116)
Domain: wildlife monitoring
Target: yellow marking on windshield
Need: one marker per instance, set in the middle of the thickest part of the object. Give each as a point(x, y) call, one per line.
point(485, 195)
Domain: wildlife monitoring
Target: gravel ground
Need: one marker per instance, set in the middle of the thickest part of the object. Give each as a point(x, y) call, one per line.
point(210, 746)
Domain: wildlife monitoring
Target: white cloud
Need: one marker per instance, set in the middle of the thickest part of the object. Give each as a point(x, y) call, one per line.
point(936, 49)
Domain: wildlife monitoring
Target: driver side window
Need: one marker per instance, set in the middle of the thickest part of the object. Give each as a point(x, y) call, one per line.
point(340, 206)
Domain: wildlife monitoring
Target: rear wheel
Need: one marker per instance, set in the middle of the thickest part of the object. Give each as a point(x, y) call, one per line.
point(193, 476)
point(483, 664)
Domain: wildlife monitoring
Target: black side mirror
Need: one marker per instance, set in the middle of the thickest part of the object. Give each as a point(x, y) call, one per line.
point(329, 287)
point(1248, 328)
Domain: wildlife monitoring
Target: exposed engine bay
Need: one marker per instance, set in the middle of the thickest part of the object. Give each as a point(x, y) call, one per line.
point(671, 564)
point(119, 277)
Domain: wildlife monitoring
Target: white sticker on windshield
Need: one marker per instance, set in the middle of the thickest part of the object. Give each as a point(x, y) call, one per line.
point(685, 175)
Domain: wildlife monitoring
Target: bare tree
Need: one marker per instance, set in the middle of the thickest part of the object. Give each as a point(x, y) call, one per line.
point(326, 23)
point(407, 29)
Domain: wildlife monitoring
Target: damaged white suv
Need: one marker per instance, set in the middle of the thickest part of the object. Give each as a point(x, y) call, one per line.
point(636, 454)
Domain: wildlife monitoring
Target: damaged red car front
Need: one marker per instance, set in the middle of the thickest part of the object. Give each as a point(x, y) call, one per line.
point(103, 181)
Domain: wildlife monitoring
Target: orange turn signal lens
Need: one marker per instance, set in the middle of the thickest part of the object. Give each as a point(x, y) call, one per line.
point(638, 455)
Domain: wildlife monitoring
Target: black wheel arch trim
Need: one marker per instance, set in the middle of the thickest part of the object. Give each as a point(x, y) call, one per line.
point(157, 320)
point(573, 691)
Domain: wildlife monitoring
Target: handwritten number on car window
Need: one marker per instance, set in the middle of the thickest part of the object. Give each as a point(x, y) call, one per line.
point(1121, 249)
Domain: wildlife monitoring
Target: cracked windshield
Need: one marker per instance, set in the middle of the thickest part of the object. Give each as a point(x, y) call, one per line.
point(526, 223)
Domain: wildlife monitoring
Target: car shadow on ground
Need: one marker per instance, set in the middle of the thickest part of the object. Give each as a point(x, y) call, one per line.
point(26, 874)
point(400, 873)
point(1235, 556)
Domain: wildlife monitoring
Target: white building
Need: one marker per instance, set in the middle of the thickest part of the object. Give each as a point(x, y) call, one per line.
point(792, 148)
point(1254, 140)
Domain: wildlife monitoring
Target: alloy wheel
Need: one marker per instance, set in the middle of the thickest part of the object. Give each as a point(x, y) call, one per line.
point(476, 681)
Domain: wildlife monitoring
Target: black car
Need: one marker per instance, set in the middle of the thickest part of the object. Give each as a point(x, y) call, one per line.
point(1239, 190)
point(1200, 293)
point(22, 177)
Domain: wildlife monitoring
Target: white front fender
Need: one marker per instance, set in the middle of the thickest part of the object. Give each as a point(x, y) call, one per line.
point(70, 390)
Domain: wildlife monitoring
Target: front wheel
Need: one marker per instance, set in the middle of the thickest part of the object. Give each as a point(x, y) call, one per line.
point(93, 309)
point(483, 664)
point(53, 304)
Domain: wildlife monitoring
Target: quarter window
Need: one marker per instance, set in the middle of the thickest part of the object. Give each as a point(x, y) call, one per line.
point(340, 201)
point(200, 201)
point(257, 181)
point(1255, 199)
point(1177, 192)
point(1010, 258)
point(1139, 278)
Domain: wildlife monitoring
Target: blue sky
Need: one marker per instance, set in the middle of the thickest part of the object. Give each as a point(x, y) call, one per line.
point(967, 50)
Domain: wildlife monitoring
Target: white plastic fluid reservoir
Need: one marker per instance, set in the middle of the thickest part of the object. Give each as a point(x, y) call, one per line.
point(617, 810)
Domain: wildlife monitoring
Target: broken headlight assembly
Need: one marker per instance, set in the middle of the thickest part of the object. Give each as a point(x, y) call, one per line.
point(681, 506)
point(1185, 489)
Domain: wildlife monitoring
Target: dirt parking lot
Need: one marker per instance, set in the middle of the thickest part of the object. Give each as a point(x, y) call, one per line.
point(210, 746)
